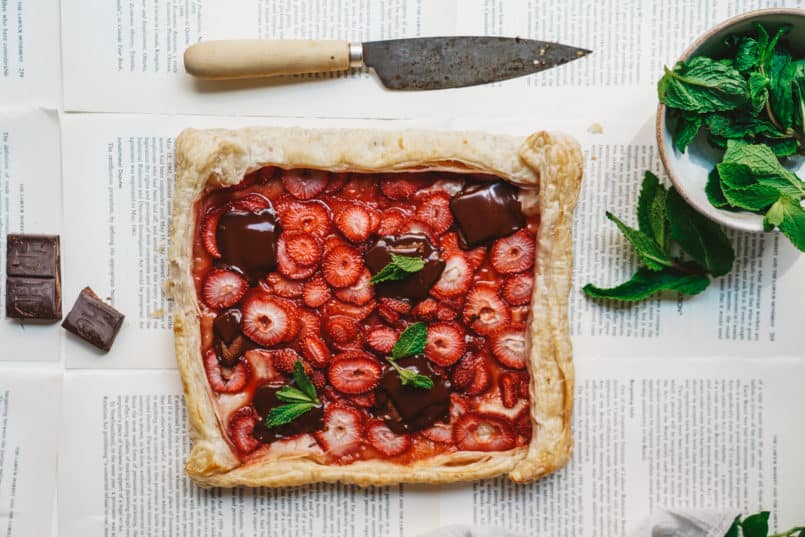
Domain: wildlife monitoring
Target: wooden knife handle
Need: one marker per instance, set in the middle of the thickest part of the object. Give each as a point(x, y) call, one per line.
point(251, 58)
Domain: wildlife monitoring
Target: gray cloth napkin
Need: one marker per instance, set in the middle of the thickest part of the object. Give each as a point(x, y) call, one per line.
point(664, 523)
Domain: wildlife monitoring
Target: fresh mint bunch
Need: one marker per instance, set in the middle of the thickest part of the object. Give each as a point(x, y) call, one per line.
point(300, 399)
point(664, 217)
point(410, 343)
point(751, 103)
point(757, 525)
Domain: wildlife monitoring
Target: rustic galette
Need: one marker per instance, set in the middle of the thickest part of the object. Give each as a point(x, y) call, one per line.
point(373, 307)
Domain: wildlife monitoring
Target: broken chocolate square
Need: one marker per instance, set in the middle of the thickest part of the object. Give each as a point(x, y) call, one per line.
point(486, 212)
point(93, 320)
point(33, 277)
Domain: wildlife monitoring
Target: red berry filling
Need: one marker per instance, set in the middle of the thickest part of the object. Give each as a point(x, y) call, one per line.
point(318, 306)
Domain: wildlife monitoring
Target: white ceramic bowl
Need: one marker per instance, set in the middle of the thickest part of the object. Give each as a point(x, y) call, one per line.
point(688, 171)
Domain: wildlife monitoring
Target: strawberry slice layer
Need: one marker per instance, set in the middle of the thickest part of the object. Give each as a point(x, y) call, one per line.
point(343, 431)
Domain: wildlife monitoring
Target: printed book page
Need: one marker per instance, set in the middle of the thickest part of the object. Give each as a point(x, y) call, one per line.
point(682, 433)
point(119, 177)
point(30, 424)
point(30, 53)
point(30, 202)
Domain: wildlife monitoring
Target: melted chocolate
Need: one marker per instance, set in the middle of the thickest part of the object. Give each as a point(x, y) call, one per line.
point(227, 325)
point(406, 409)
point(249, 240)
point(265, 398)
point(485, 212)
point(415, 286)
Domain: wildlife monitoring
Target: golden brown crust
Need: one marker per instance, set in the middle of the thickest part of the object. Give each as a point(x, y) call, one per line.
point(549, 164)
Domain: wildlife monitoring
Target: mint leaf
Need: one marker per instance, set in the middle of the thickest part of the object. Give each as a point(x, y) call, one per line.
point(755, 198)
point(649, 251)
point(280, 415)
point(782, 148)
point(700, 238)
point(399, 268)
point(303, 381)
point(758, 91)
point(733, 531)
point(684, 127)
point(756, 525)
point(763, 163)
point(651, 209)
point(741, 188)
point(747, 55)
point(789, 216)
point(714, 192)
point(703, 85)
point(289, 394)
point(645, 283)
point(411, 342)
point(732, 127)
point(408, 377)
point(781, 77)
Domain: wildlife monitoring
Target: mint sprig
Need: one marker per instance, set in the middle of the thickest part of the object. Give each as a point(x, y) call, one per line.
point(751, 104)
point(757, 525)
point(663, 217)
point(410, 343)
point(399, 268)
point(300, 398)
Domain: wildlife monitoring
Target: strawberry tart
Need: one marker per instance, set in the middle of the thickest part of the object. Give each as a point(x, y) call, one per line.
point(373, 307)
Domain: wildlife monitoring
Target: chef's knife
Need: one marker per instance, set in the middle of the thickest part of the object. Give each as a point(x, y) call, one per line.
point(422, 63)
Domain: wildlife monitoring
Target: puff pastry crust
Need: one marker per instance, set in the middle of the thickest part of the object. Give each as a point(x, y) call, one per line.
point(547, 165)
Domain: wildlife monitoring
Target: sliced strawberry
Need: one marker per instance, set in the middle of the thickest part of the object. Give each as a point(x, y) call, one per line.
point(398, 306)
point(514, 253)
point(284, 360)
point(360, 292)
point(303, 248)
point(477, 431)
point(446, 313)
point(223, 288)
point(316, 293)
point(334, 240)
point(520, 315)
point(425, 310)
point(517, 289)
point(340, 328)
point(445, 343)
point(261, 365)
point(354, 372)
point(385, 441)
point(456, 277)
point(354, 222)
point(343, 430)
point(439, 432)
point(251, 203)
point(288, 267)
point(375, 218)
point(225, 380)
point(283, 287)
point(365, 400)
point(401, 187)
point(459, 405)
point(381, 339)
point(476, 257)
point(309, 323)
point(523, 423)
point(342, 266)
point(315, 350)
point(336, 182)
point(209, 229)
point(304, 184)
point(311, 217)
point(484, 311)
point(472, 375)
point(241, 427)
point(388, 314)
point(509, 389)
point(508, 347)
point(359, 313)
point(415, 227)
point(268, 321)
point(391, 222)
point(434, 209)
point(318, 379)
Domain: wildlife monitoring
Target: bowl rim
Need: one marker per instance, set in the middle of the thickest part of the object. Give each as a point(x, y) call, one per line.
point(708, 210)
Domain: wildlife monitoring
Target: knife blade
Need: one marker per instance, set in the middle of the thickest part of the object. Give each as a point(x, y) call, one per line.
point(422, 63)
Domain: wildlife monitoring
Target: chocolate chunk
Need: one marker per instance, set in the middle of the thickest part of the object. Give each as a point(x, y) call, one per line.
point(485, 212)
point(93, 320)
point(33, 298)
point(265, 398)
point(407, 409)
point(418, 284)
point(249, 240)
point(227, 325)
point(33, 277)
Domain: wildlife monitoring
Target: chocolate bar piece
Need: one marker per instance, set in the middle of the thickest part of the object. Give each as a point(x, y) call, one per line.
point(487, 212)
point(33, 277)
point(93, 320)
